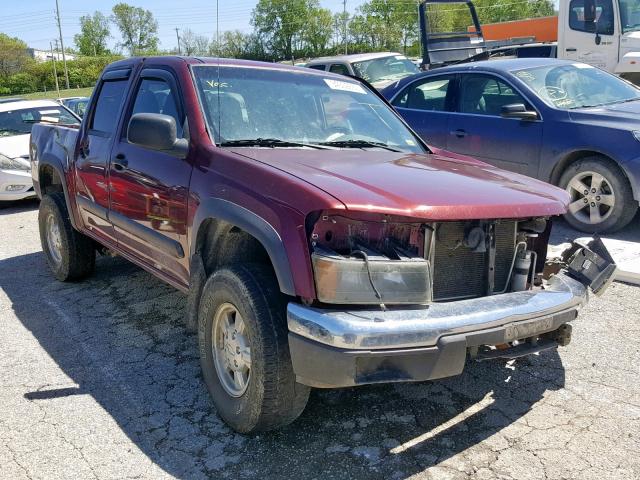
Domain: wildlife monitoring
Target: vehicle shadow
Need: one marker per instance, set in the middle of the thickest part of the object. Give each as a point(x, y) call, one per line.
point(8, 208)
point(563, 232)
point(120, 337)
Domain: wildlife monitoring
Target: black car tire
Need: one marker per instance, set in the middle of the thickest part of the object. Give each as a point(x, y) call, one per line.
point(74, 256)
point(272, 398)
point(615, 216)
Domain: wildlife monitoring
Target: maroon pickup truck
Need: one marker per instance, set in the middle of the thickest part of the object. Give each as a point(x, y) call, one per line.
point(320, 242)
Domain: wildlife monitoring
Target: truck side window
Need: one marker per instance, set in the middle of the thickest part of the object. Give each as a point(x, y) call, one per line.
point(430, 95)
point(318, 67)
point(157, 96)
point(105, 117)
point(591, 16)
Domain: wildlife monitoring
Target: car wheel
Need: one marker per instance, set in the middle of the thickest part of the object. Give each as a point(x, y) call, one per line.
point(244, 350)
point(601, 197)
point(70, 255)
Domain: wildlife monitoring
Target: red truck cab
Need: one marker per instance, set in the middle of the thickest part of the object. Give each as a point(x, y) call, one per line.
point(320, 242)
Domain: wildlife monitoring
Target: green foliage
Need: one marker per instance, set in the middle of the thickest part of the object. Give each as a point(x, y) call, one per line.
point(83, 72)
point(13, 55)
point(94, 32)
point(138, 28)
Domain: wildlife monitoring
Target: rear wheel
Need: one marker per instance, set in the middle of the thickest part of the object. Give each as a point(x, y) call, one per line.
point(70, 255)
point(601, 197)
point(244, 350)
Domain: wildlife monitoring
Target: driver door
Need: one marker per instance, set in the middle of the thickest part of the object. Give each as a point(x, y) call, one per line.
point(149, 189)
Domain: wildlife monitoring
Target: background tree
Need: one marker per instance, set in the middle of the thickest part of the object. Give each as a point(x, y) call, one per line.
point(94, 32)
point(13, 55)
point(193, 44)
point(317, 33)
point(281, 23)
point(138, 28)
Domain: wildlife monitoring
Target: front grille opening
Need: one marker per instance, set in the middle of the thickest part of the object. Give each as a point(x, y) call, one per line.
point(460, 272)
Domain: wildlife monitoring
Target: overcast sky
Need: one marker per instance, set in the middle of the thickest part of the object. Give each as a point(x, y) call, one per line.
point(34, 20)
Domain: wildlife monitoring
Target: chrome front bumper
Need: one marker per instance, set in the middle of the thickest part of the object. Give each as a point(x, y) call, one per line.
point(402, 328)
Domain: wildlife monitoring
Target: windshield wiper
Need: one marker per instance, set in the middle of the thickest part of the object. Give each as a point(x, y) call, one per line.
point(269, 142)
point(359, 144)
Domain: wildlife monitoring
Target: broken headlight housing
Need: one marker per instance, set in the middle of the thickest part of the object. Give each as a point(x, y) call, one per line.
point(369, 259)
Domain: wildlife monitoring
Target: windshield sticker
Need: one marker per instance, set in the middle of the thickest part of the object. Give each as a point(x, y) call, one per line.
point(400, 57)
point(48, 112)
point(344, 86)
point(410, 142)
point(554, 93)
point(583, 65)
point(216, 84)
point(524, 75)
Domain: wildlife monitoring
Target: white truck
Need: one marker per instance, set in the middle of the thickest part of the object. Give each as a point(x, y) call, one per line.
point(603, 33)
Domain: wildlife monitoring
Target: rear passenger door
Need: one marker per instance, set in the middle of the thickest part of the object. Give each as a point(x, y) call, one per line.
point(94, 151)
point(426, 106)
point(149, 189)
point(477, 129)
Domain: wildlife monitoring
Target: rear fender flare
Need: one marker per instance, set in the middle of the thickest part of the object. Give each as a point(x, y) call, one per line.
point(260, 229)
point(49, 160)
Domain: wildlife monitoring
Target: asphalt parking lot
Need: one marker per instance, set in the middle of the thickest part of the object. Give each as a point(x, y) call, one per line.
point(100, 380)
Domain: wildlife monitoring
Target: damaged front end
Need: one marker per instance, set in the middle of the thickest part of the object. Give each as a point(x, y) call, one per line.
point(398, 299)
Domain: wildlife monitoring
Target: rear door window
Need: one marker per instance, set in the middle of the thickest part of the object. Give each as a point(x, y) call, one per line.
point(430, 94)
point(105, 117)
point(318, 67)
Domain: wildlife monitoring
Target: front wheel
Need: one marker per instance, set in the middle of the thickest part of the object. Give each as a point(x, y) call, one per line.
point(601, 197)
point(244, 351)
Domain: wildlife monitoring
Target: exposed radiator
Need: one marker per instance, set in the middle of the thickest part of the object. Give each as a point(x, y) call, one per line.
point(459, 272)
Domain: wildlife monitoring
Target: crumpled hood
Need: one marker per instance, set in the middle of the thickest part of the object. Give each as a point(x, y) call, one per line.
point(434, 187)
point(15, 146)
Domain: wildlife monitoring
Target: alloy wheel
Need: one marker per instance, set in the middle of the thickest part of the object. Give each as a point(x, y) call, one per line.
point(592, 197)
point(231, 350)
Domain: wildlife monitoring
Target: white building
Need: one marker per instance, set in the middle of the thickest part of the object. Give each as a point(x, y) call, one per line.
point(45, 55)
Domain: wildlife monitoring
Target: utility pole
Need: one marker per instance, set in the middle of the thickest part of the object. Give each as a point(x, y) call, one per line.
point(55, 71)
point(64, 57)
point(178, 37)
point(344, 27)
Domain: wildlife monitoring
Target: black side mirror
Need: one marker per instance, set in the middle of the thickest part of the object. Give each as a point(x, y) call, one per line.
point(156, 131)
point(518, 110)
point(598, 38)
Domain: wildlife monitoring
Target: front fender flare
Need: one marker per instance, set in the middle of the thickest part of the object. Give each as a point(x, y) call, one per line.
point(218, 209)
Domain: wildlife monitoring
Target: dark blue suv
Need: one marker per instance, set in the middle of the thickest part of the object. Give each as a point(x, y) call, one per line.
point(563, 122)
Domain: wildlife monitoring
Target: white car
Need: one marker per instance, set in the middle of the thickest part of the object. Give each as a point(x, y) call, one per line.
point(16, 119)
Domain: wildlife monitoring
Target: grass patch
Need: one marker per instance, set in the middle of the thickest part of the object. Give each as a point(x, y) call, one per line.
point(52, 95)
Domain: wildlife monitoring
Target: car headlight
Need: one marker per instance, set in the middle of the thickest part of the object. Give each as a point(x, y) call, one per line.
point(369, 262)
point(636, 134)
point(21, 164)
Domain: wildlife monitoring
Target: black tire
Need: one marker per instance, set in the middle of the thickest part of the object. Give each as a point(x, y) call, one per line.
point(75, 256)
point(272, 397)
point(614, 217)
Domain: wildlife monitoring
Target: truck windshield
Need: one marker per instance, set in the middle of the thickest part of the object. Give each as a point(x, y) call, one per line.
point(20, 121)
point(272, 108)
point(630, 15)
point(393, 67)
point(577, 85)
